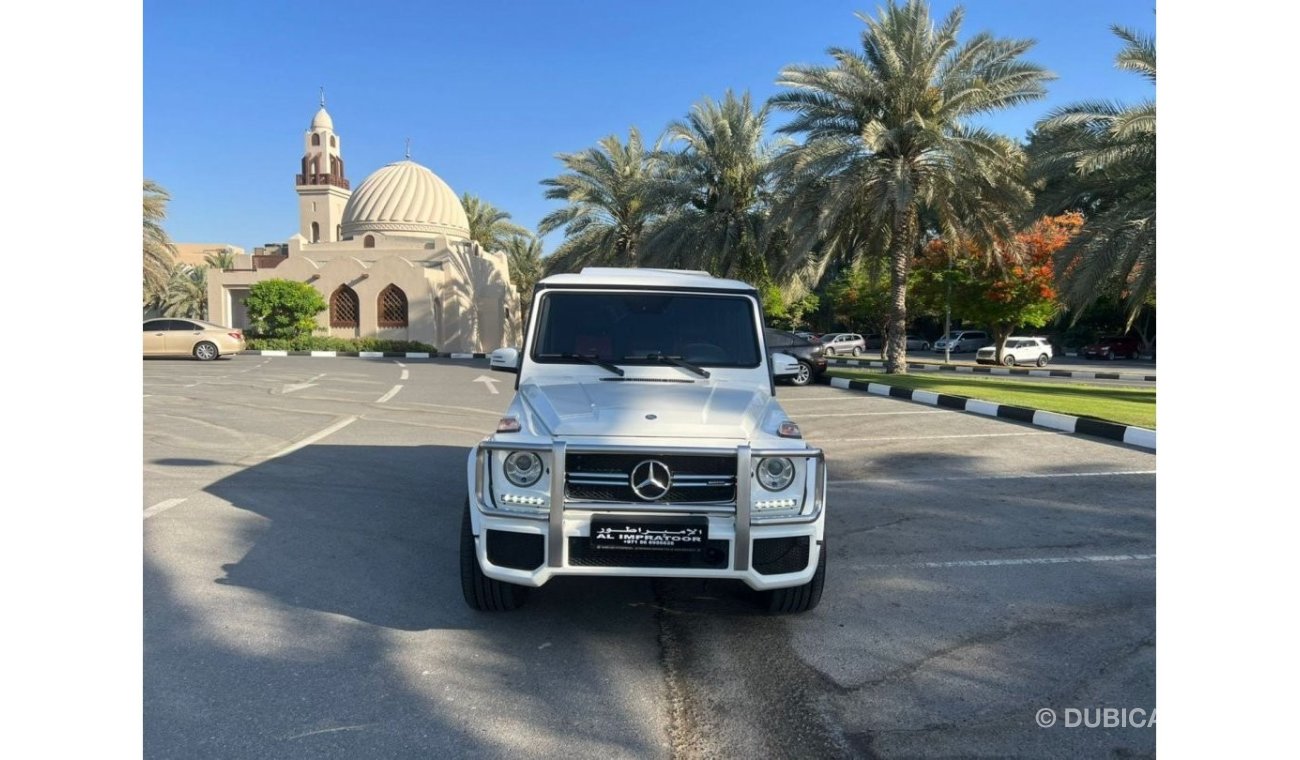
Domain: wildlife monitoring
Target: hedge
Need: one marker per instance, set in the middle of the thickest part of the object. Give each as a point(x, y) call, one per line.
point(327, 343)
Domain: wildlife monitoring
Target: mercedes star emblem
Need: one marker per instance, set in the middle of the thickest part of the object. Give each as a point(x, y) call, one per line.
point(651, 480)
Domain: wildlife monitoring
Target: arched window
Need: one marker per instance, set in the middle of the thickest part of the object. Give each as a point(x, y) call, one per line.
point(344, 307)
point(333, 143)
point(392, 307)
point(338, 232)
point(315, 139)
point(368, 242)
point(315, 232)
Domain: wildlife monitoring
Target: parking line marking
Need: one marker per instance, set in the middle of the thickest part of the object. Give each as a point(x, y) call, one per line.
point(399, 364)
point(1004, 476)
point(1026, 561)
point(314, 437)
point(162, 506)
point(406, 375)
point(392, 392)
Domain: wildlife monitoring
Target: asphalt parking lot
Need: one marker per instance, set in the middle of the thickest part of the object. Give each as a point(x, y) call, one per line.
point(302, 595)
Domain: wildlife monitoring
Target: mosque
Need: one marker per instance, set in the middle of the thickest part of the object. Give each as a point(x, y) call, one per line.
point(393, 259)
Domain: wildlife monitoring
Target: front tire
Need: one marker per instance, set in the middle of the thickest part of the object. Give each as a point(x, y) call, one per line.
point(1008, 360)
point(206, 351)
point(481, 592)
point(784, 601)
point(804, 376)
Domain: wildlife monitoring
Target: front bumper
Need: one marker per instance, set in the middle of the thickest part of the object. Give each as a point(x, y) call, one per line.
point(742, 544)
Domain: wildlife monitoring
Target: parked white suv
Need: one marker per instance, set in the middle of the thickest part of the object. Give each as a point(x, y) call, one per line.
point(644, 439)
point(1018, 349)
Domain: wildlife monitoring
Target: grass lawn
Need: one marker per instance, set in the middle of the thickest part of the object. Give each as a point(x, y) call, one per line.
point(1127, 406)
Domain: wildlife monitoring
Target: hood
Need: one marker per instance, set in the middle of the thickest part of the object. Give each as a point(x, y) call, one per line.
point(702, 409)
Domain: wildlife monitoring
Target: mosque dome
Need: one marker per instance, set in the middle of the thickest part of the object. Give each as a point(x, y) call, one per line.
point(322, 120)
point(405, 198)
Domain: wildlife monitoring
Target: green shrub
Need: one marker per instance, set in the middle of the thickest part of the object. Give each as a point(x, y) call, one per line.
point(328, 343)
point(283, 309)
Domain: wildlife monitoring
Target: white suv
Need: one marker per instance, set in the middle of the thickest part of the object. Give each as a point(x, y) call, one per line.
point(1018, 350)
point(644, 439)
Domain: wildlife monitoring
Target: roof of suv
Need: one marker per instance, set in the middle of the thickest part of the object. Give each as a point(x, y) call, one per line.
point(644, 278)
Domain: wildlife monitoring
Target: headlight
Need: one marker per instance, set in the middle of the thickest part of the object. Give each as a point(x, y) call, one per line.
point(775, 474)
point(523, 468)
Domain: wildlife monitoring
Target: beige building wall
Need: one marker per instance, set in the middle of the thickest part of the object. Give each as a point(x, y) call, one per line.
point(459, 297)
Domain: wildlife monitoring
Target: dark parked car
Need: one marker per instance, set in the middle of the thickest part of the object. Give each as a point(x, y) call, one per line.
point(811, 356)
point(1113, 347)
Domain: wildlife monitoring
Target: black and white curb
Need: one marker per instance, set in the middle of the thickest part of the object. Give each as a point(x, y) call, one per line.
point(1002, 370)
point(1136, 436)
point(374, 354)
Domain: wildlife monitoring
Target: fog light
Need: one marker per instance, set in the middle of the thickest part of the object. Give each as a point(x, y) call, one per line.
point(526, 501)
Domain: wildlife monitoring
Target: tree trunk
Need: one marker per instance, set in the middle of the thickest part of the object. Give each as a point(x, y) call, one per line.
point(1000, 335)
point(901, 244)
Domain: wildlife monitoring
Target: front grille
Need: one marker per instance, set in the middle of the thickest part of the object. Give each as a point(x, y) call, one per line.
point(697, 479)
point(519, 551)
point(713, 556)
point(773, 556)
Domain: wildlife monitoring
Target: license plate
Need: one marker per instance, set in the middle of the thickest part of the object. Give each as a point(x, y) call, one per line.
point(668, 532)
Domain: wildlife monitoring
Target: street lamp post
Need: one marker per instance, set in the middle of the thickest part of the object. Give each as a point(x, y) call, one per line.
point(947, 314)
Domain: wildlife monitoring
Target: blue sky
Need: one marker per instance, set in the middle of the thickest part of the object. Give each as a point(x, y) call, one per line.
point(488, 92)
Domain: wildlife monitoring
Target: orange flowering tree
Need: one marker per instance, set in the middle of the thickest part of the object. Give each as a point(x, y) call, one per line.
point(1001, 295)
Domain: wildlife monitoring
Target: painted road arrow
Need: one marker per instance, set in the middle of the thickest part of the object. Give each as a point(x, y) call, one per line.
point(490, 382)
point(299, 386)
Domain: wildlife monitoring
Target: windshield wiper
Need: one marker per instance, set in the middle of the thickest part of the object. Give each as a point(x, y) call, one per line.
point(676, 360)
point(617, 370)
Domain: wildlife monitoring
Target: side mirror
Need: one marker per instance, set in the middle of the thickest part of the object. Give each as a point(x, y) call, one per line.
point(504, 360)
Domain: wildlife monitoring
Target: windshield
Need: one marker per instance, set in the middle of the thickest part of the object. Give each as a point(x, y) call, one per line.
point(643, 328)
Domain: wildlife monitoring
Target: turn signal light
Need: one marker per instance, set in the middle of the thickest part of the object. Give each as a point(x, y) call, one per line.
point(789, 430)
point(508, 425)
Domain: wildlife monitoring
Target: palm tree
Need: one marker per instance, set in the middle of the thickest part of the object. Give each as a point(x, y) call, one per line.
point(717, 186)
point(889, 143)
point(222, 259)
point(1100, 158)
point(525, 255)
point(612, 195)
point(159, 253)
point(489, 226)
point(187, 293)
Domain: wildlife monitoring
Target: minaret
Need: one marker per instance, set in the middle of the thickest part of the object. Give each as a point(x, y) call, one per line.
point(323, 189)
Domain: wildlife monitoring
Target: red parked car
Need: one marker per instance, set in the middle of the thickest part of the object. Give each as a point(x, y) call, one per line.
point(1113, 347)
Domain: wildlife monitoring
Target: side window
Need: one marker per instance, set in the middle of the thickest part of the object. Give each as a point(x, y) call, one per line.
point(183, 326)
point(155, 325)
